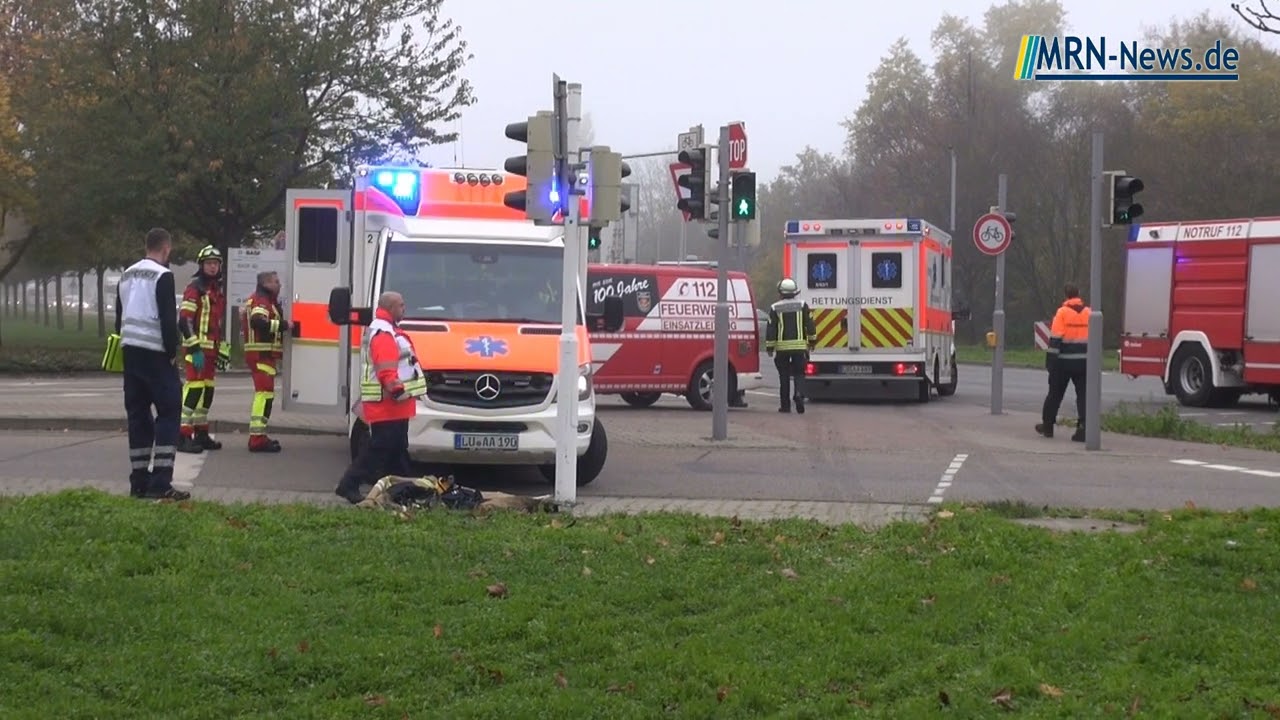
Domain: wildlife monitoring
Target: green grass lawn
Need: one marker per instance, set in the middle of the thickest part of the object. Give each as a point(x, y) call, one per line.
point(1022, 357)
point(117, 607)
point(1165, 422)
point(28, 346)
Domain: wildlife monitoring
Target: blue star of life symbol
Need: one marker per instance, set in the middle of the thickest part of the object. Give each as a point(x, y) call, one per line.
point(822, 271)
point(887, 270)
point(485, 346)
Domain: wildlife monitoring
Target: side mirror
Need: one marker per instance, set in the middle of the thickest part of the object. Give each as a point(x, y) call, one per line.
point(340, 306)
point(611, 319)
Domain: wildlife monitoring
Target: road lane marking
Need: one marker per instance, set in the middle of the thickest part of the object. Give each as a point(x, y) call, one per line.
point(1227, 468)
point(948, 477)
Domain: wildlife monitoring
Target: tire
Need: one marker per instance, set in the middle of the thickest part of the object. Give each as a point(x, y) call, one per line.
point(640, 399)
point(950, 388)
point(1192, 377)
point(590, 463)
point(359, 438)
point(698, 394)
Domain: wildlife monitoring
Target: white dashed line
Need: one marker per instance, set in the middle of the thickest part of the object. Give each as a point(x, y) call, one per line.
point(948, 477)
point(1227, 468)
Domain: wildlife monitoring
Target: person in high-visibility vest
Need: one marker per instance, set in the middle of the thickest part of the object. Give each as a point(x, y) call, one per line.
point(200, 318)
point(263, 348)
point(391, 382)
point(1066, 360)
point(790, 334)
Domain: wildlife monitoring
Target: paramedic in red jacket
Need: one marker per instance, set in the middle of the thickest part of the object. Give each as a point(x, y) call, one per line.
point(390, 384)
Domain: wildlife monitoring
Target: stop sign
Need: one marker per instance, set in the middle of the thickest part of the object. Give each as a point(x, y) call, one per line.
point(737, 146)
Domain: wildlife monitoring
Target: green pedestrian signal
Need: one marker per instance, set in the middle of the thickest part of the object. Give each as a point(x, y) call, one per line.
point(593, 238)
point(744, 196)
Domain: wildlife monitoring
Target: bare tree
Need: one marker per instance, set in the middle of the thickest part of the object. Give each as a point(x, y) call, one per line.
point(1262, 20)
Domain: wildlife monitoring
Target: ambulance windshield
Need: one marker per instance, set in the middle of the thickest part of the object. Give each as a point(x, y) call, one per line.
point(477, 282)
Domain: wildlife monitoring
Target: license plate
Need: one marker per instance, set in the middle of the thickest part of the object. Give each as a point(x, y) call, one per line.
point(855, 369)
point(486, 441)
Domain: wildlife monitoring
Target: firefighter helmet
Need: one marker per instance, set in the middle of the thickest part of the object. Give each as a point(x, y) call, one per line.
point(788, 288)
point(208, 252)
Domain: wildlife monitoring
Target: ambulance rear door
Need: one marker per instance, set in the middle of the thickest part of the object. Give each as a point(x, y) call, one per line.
point(825, 273)
point(317, 353)
point(887, 316)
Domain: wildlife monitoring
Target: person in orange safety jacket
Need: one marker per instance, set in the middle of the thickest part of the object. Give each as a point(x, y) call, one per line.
point(1066, 361)
point(263, 347)
point(200, 320)
point(391, 382)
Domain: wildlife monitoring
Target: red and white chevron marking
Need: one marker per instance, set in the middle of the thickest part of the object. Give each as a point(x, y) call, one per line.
point(1042, 335)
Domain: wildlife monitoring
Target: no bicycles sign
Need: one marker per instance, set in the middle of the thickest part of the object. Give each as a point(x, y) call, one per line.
point(992, 234)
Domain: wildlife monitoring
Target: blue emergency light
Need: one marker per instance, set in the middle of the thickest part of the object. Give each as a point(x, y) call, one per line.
point(402, 186)
point(793, 227)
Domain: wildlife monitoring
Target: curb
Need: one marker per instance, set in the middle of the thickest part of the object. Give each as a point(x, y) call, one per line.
point(64, 424)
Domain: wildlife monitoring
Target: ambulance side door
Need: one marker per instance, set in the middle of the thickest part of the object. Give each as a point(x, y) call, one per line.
point(316, 351)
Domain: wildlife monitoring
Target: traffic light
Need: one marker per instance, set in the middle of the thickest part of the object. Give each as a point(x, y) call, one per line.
point(542, 197)
point(696, 182)
point(743, 205)
point(1120, 188)
point(713, 215)
point(593, 237)
point(605, 199)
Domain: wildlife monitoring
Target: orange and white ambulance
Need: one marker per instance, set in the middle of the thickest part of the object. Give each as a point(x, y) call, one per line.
point(481, 286)
point(880, 294)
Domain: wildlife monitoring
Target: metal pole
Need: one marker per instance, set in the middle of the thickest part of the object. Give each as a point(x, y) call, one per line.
point(567, 381)
point(953, 191)
point(684, 238)
point(1093, 382)
point(720, 386)
point(997, 319)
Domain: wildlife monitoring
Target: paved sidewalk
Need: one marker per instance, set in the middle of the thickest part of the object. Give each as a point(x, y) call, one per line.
point(869, 516)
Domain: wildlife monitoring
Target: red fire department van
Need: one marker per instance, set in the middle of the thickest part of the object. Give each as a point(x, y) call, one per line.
point(1200, 309)
point(667, 341)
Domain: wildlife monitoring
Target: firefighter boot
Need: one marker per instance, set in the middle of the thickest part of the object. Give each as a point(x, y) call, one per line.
point(190, 444)
point(206, 442)
point(263, 444)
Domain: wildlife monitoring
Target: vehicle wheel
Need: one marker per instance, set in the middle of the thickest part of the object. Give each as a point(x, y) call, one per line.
point(359, 438)
point(1193, 377)
point(640, 399)
point(950, 388)
point(700, 385)
point(590, 463)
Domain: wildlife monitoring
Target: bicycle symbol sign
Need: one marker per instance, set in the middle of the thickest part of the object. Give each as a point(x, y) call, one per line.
point(992, 234)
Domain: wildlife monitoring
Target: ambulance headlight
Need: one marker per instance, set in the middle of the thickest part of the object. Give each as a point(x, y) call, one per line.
point(584, 381)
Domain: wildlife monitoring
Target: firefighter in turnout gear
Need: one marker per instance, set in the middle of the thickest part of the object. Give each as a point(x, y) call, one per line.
point(200, 319)
point(791, 335)
point(1066, 361)
point(263, 348)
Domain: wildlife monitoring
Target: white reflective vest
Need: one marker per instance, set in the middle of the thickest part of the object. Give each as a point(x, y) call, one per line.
point(407, 367)
point(139, 313)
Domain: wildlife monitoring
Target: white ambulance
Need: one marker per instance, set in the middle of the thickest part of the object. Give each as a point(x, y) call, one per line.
point(880, 295)
point(481, 286)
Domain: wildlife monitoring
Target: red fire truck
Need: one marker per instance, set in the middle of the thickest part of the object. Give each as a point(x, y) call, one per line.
point(1202, 308)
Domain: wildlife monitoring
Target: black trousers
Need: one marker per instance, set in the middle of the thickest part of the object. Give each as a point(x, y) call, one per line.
point(790, 364)
point(1061, 374)
point(386, 454)
point(151, 380)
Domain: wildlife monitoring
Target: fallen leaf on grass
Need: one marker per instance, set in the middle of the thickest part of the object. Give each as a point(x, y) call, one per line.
point(508, 554)
point(1248, 584)
point(619, 538)
point(476, 573)
point(716, 539)
point(1003, 698)
point(734, 521)
point(186, 505)
point(586, 571)
point(237, 523)
point(1050, 691)
point(497, 590)
point(928, 600)
point(788, 573)
point(495, 675)
point(245, 566)
point(944, 698)
point(1269, 708)
point(555, 523)
point(438, 631)
point(999, 579)
point(374, 700)
point(615, 688)
point(722, 692)
point(779, 539)
point(304, 646)
point(649, 560)
point(561, 680)
point(1136, 704)
point(663, 542)
point(1190, 506)
point(273, 653)
point(944, 514)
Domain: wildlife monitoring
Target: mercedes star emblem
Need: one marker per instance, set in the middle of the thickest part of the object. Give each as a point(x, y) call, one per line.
point(488, 386)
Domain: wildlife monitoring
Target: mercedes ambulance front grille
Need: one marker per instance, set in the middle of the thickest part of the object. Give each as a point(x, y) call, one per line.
point(492, 389)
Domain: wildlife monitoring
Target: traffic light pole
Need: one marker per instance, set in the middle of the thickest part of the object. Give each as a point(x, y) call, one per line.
point(720, 366)
point(567, 380)
point(1093, 370)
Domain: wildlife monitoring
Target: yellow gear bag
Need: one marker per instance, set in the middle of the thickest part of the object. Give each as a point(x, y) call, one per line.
point(113, 358)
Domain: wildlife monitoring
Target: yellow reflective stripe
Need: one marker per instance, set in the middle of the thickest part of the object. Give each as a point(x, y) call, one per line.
point(265, 368)
point(257, 346)
point(188, 306)
point(259, 310)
